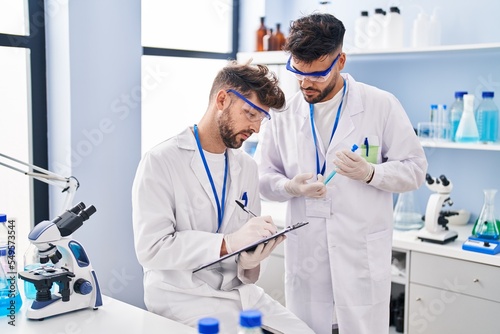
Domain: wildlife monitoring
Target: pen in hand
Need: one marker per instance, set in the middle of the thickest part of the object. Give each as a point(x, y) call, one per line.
point(241, 205)
point(332, 174)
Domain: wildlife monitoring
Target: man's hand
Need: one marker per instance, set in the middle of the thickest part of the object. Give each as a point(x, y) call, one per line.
point(254, 229)
point(250, 260)
point(353, 166)
point(299, 187)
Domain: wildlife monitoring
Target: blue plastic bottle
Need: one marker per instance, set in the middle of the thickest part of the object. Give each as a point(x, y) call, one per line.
point(208, 326)
point(456, 112)
point(250, 322)
point(487, 119)
point(10, 299)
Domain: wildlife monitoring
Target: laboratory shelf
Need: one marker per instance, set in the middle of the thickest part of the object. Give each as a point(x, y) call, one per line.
point(280, 57)
point(463, 146)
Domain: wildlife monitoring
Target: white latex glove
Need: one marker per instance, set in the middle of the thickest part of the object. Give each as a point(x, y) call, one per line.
point(353, 166)
point(250, 260)
point(299, 187)
point(254, 229)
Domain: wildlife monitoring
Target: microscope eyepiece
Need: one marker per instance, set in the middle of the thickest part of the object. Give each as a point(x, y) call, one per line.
point(429, 178)
point(72, 219)
point(77, 208)
point(444, 180)
point(86, 213)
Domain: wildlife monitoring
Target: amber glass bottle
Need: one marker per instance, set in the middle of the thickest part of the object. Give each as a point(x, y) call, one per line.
point(261, 32)
point(269, 40)
point(279, 39)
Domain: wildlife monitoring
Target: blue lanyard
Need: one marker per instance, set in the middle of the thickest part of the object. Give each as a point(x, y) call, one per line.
point(311, 112)
point(220, 209)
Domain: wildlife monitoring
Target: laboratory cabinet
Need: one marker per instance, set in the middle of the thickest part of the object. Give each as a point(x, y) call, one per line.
point(449, 295)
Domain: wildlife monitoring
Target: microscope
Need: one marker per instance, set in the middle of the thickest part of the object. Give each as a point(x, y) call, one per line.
point(435, 229)
point(70, 270)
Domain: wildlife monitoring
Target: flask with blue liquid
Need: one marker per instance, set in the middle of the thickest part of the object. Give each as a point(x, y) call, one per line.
point(456, 111)
point(487, 119)
point(467, 128)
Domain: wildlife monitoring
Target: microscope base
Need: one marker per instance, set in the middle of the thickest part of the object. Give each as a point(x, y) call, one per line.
point(441, 237)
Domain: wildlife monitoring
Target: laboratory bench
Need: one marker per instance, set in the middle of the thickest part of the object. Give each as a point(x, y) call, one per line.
point(447, 289)
point(113, 316)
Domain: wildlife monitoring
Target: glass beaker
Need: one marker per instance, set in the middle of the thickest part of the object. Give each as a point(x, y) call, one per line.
point(486, 223)
point(407, 214)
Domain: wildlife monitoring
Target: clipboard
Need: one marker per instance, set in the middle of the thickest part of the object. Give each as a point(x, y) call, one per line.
point(254, 245)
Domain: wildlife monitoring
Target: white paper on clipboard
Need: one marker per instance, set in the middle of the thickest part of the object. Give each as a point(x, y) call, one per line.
point(254, 245)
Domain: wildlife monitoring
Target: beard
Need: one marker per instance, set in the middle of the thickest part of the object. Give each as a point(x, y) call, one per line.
point(227, 132)
point(322, 93)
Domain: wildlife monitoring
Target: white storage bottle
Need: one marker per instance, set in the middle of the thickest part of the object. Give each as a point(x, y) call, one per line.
point(250, 322)
point(361, 38)
point(420, 32)
point(434, 29)
point(467, 128)
point(375, 29)
point(394, 28)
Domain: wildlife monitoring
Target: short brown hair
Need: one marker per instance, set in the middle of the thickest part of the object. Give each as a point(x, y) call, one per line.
point(314, 36)
point(247, 78)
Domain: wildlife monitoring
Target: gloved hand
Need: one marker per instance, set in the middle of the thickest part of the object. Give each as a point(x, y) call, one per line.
point(254, 229)
point(250, 260)
point(299, 187)
point(353, 166)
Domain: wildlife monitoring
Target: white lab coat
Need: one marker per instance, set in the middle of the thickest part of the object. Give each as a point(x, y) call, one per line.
point(175, 223)
point(345, 258)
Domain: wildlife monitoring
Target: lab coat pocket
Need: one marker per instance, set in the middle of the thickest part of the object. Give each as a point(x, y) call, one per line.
point(379, 246)
point(370, 148)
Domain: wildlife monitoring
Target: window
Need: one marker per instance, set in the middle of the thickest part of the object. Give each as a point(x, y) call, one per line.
point(182, 52)
point(23, 110)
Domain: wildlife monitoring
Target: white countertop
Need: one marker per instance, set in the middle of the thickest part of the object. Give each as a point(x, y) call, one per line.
point(407, 240)
point(113, 316)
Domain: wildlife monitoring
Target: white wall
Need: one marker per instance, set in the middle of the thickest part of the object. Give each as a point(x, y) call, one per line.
point(462, 22)
point(94, 52)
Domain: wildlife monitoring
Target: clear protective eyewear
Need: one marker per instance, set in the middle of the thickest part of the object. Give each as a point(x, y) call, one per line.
point(319, 76)
point(252, 116)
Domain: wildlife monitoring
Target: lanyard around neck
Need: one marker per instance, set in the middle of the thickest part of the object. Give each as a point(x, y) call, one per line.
point(311, 112)
point(220, 206)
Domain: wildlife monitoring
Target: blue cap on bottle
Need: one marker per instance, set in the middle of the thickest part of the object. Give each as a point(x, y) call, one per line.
point(488, 94)
point(3, 217)
point(250, 318)
point(208, 326)
point(460, 94)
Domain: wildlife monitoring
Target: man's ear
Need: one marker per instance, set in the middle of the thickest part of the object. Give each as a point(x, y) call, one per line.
point(222, 100)
point(342, 59)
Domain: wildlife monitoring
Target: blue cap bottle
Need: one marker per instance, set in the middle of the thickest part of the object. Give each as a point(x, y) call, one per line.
point(208, 326)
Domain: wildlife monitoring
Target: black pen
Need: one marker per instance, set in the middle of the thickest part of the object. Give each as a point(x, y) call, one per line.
point(241, 205)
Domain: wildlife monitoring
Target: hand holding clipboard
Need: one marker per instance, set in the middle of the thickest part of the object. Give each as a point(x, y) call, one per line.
point(251, 247)
point(254, 245)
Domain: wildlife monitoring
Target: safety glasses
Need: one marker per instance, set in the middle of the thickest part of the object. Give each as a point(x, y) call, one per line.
point(320, 76)
point(250, 109)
